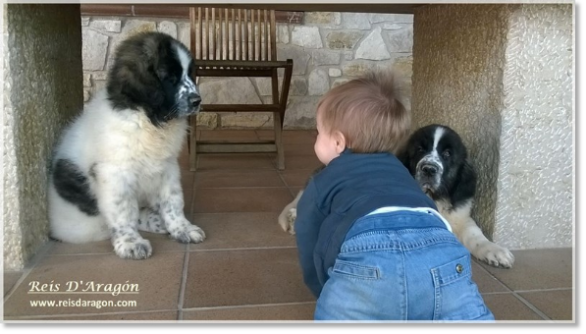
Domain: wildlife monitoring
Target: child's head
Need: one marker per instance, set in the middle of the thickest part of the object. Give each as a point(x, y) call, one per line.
point(362, 115)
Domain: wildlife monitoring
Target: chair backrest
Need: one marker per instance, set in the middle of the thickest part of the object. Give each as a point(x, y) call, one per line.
point(233, 34)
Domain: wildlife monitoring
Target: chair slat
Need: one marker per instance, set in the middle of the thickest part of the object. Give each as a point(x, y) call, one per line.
point(245, 35)
point(207, 35)
point(220, 35)
point(273, 37)
point(192, 26)
point(200, 34)
point(233, 29)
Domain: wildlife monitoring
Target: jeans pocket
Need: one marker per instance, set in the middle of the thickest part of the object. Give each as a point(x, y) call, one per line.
point(354, 270)
point(456, 295)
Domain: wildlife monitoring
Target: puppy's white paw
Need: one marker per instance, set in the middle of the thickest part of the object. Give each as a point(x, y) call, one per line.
point(135, 248)
point(188, 233)
point(495, 255)
point(291, 216)
point(287, 219)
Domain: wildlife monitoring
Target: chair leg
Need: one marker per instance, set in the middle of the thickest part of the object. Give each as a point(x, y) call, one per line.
point(192, 143)
point(279, 141)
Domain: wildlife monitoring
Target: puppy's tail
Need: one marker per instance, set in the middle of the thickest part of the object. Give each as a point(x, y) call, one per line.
point(284, 222)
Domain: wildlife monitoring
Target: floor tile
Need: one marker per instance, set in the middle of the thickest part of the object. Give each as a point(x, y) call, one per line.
point(286, 312)
point(246, 277)
point(290, 136)
point(537, 269)
point(556, 304)
point(294, 150)
point(10, 279)
point(486, 282)
point(217, 161)
point(310, 162)
point(157, 279)
point(507, 307)
point(241, 230)
point(238, 179)
point(241, 200)
point(138, 316)
point(296, 178)
point(228, 135)
point(159, 242)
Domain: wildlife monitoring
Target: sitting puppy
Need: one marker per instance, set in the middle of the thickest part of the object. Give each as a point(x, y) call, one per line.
point(437, 158)
point(115, 168)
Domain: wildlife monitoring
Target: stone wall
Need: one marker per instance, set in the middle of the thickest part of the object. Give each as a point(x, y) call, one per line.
point(41, 94)
point(327, 49)
point(501, 75)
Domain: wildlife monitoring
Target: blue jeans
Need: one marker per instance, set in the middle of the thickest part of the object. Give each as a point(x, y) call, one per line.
point(401, 265)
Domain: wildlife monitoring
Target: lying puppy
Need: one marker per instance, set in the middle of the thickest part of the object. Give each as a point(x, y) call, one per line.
point(437, 158)
point(115, 168)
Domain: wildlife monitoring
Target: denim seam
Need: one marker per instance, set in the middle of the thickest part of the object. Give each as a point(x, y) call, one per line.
point(395, 246)
point(445, 281)
point(437, 292)
point(343, 273)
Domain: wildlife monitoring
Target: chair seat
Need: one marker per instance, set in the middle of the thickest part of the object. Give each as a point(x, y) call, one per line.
point(234, 68)
point(241, 64)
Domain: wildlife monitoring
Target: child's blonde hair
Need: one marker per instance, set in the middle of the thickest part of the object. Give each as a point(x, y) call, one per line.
point(367, 112)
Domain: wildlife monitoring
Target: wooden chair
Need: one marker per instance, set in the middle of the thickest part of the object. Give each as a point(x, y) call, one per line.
point(239, 43)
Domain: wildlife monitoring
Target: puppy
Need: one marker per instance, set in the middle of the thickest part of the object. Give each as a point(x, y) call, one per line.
point(437, 158)
point(115, 168)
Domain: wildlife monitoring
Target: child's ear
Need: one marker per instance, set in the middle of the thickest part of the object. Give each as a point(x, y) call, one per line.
point(340, 142)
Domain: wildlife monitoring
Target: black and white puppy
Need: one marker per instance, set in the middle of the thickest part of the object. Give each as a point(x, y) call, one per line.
point(115, 168)
point(438, 160)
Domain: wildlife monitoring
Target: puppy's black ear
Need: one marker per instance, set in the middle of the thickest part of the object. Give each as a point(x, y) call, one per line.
point(144, 87)
point(465, 186)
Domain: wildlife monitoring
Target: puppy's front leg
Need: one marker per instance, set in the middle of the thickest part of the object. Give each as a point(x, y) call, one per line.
point(483, 249)
point(118, 203)
point(289, 214)
point(171, 209)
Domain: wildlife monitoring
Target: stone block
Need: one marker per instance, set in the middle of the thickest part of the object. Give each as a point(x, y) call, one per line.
point(323, 19)
point(94, 49)
point(373, 47)
point(282, 33)
point(319, 82)
point(343, 40)
point(208, 120)
point(401, 40)
point(257, 120)
point(106, 25)
point(325, 57)
point(356, 21)
point(299, 56)
point(307, 37)
point(169, 28)
point(335, 72)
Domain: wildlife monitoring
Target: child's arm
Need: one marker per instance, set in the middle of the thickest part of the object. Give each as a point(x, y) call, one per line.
point(307, 226)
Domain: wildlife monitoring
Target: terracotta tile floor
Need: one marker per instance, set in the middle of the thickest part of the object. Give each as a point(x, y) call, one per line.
point(247, 268)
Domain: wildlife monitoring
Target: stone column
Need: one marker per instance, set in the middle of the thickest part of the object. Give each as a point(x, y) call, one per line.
point(502, 76)
point(43, 90)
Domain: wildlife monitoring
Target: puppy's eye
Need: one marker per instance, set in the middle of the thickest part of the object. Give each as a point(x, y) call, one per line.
point(172, 79)
point(446, 154)
point(420, 149)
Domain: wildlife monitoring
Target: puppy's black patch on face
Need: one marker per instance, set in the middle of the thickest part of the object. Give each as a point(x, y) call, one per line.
point(72, 185)
point(448, 156)
point(152, 71)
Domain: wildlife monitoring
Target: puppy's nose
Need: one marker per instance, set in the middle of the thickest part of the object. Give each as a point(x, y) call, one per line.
point(194, 100)
point(430, 170)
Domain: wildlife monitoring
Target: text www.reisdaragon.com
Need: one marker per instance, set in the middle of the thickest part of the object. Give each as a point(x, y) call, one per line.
point(97, 304)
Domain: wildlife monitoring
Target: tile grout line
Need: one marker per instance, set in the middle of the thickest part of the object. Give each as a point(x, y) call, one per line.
point(285, 183)
point(525, 291)
point(183, 284)
point(521, 299)
point(193, 190)
point(109, 252)
point(25, 317)
point(247, 187)
point(40, 255)
point(545, 290)
point(208, 308)
point(242, 249)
